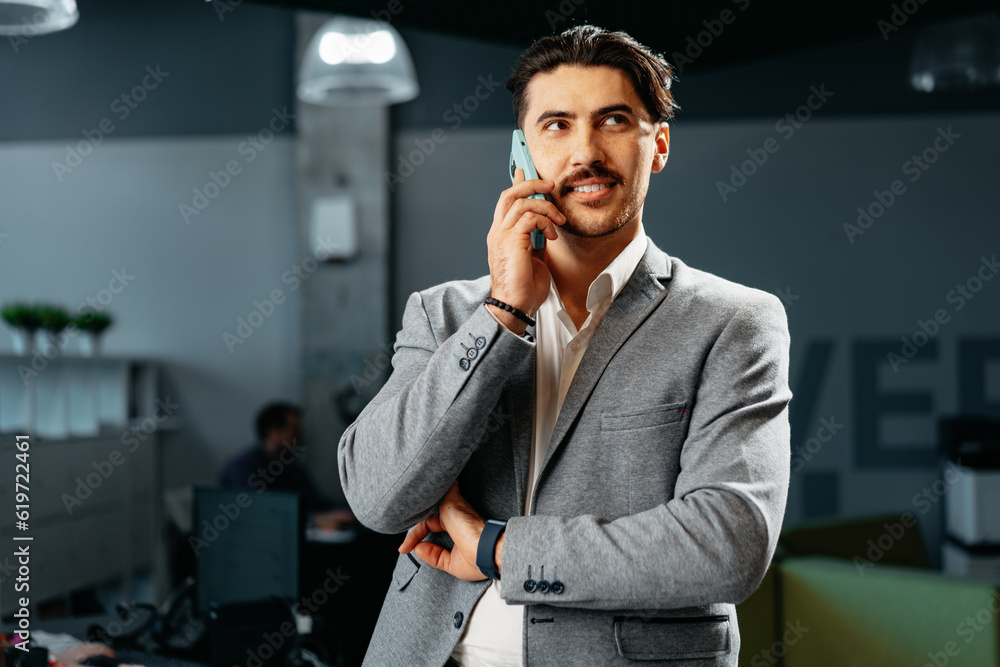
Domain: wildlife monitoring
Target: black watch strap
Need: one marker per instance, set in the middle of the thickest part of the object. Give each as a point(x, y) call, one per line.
point(485, 559)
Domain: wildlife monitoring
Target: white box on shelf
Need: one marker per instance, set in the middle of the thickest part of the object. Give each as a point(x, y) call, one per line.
point(972, 506)
point(15, 403)
point(82, 383)
point(51, 402)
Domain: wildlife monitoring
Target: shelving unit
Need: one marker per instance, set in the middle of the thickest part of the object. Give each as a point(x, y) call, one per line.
point(94, 489)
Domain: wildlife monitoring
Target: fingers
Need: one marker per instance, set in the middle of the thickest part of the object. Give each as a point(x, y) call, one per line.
point(522, 207)
point(431, 524)
point(434, 555)
point(520, 190)
point(519, 234)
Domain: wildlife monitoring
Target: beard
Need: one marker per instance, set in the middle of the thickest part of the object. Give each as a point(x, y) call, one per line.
point(607, 222)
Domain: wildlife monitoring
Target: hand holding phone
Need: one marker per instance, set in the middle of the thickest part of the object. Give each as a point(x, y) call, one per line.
point(519, 274)
point(520, 157)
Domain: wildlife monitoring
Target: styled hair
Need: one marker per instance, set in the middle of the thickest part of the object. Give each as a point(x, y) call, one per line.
point(274, 416)
point(587, 46)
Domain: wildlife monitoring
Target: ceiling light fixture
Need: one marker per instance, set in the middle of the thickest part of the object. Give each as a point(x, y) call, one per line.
point(356, 62)
point(36, 17)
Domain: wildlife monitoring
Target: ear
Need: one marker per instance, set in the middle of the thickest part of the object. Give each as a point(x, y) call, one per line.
point(662, 140)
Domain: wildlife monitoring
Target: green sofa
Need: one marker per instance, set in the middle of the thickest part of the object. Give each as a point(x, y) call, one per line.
point(836, 596)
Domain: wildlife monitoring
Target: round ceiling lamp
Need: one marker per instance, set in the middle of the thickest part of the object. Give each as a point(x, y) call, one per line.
point(36, 17)
point(355, 62)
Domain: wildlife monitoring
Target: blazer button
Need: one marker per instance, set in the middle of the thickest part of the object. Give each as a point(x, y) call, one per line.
point(458, 619)
point(543, 586)
point(557, 587)
point(529, 585)
point(464, 364)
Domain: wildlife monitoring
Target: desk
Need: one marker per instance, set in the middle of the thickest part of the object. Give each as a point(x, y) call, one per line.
point(78, 627)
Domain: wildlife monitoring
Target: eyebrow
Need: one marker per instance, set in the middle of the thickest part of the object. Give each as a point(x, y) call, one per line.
point(600, 112)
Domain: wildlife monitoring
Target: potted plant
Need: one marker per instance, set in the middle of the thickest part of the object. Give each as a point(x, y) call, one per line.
point(53, 320)
point(92, 325)
point(25, 321)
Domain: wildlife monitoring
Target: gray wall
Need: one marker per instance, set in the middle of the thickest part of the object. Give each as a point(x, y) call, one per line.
point(120, 211)
point(780, 231)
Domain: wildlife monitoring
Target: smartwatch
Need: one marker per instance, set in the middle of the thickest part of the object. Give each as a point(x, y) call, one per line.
point(485, 560)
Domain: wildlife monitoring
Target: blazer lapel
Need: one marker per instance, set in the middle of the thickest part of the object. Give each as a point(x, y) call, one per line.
point(640, 296)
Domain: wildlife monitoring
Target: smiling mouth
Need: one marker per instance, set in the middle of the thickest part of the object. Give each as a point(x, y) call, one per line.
point(592, 188)
point(591, 194)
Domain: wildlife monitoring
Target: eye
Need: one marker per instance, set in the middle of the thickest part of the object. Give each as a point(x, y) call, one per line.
point(617, 119)
point(549, 126)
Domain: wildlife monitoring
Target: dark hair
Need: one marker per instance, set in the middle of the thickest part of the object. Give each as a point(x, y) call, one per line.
point(589, 46)
point(274, 416)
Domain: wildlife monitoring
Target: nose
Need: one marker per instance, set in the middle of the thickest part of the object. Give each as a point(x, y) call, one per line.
point(587, 148)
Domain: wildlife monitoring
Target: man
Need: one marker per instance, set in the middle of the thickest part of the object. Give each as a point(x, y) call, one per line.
point(634, 438)
point(272, 463)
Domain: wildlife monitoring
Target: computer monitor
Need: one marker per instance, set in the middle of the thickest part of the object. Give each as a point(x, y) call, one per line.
point(246, 545)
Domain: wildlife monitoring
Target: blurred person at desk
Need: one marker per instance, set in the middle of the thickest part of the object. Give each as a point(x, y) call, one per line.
point(272, 463)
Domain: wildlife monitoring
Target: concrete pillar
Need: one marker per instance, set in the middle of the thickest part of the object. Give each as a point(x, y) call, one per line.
point(345, 306)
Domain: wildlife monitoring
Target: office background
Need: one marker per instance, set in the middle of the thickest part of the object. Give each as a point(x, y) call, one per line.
point(850, 295)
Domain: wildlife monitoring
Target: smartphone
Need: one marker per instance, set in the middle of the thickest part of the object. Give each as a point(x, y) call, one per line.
point(519, 157)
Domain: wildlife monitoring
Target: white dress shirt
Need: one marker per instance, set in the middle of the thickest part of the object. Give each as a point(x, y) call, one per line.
point(493, 632)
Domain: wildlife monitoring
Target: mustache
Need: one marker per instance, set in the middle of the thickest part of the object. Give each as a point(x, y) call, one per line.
point(596, 171)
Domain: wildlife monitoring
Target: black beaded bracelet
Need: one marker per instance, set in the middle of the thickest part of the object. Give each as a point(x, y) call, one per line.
point(512, 310)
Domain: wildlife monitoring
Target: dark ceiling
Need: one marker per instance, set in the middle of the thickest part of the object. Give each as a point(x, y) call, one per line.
point(750, 28)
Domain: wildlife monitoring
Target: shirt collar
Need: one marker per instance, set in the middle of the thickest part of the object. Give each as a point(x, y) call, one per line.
point(612, 279)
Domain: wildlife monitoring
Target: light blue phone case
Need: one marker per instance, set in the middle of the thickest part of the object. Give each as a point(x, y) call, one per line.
point(520, 157)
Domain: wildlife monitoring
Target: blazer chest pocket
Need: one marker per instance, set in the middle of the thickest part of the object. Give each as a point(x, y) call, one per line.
point(656, 415)
point(406, 567)
point(676, 638)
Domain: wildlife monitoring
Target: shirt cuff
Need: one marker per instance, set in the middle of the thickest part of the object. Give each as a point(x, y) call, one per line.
point(526, 336)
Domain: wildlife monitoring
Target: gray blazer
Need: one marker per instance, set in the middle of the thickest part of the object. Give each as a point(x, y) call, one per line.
point(660, 498)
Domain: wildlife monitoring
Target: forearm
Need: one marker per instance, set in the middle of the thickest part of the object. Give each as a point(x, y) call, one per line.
point(707, 548)
point(410, 443)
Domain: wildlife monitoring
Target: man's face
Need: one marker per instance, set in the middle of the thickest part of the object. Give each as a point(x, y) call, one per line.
point(586, 126)
point(290, 436)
